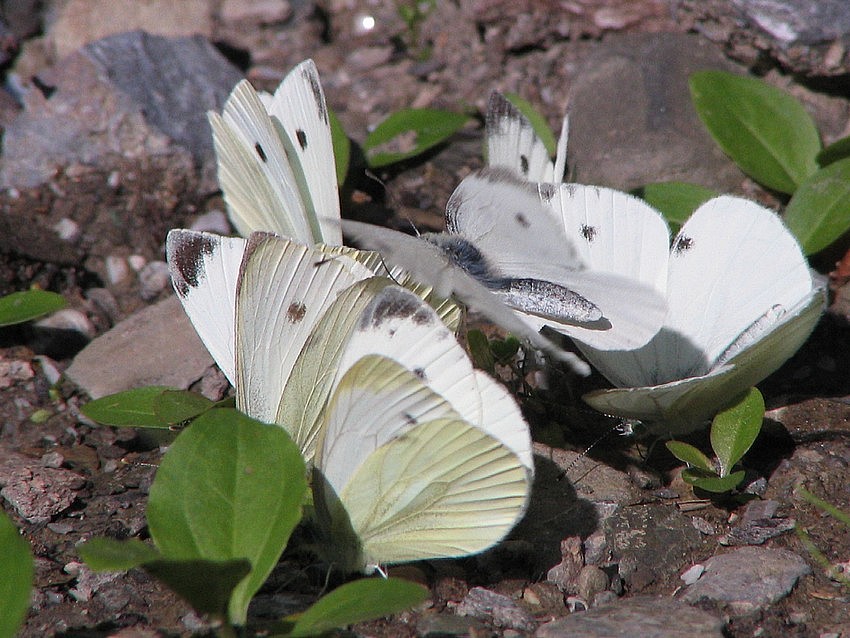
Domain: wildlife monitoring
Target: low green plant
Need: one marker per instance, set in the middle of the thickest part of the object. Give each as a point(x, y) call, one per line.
point(408, 133)
point(26, 305)
point(733, 432)
point(772, 138)
point(413, 13)
point(803, 534)
point(224, 502)
point(16, 574)
point(488, 353)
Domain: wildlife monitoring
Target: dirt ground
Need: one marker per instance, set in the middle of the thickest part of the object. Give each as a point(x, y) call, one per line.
point(103, 475)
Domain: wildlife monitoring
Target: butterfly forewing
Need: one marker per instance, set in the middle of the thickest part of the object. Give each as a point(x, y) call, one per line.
point(299, 105)
point(512, 142)
point(283, 290)
point(204, 269)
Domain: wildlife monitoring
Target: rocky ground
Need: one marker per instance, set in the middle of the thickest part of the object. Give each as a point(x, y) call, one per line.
point(105, 147)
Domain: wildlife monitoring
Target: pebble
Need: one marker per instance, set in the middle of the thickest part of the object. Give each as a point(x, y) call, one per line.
point(154, 278)
point(14, 370)
point(69, 319)
point(117, 269)
point(692, 574)
point(215, 221)
point(591, 581)
point(499, 609)
point(748, 579)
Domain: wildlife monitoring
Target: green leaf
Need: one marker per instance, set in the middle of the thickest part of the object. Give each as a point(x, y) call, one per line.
point(690, 455)
point(675, 200)
point(538, 122)
point(711, 482)
point(829, 508)
point(341, 146)
point(178, 406)
point(819, 212)
point(111, 555)
point(28, 304)
point(504, 349)
point(16, 574)
point(207, 585)
point(131, 408)
point(838, 150)
point(479, 350)
point(734, 430)
point(358, 601)
point(765, 131)
point(228, 488)
point(408, 133)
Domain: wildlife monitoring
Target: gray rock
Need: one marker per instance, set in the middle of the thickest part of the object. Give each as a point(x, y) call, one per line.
point(444, 625)
point(36, 492)
point(113, 146)
point(805, 36)
point(631, 117)
point(499, 609)
point(748, 579)
point(591, 581)
point(156, 346)
point(646, 617)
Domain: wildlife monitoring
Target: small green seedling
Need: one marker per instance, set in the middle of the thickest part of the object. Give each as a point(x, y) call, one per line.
point(26, 305)
point(225, 500)
point(413, 13)
point(772, 138)
point(837, 514)
point(149, 407)
point(733, 431)
point(488, 353)
point(408, 133)
point(16, 574)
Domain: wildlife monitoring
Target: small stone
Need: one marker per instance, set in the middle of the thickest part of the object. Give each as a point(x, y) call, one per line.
point(692, 574)
point(137, 262)
point(703, 526)
point(67, 229)
point(591, 581)
point(116, 269)
point(13, 370)
point(154, 278)
point(49, 369)
point(255, 11)
point(69, 319)
point(52, 459)
point(501, 610)
point(565, 573)
point(215, 221)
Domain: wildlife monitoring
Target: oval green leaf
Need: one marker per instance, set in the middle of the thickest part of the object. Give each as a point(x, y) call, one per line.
point(359, 601)
point(765, 131)
point(228, 488)
point(28, 304)
point(838, 150)
point(819, 212)
point(16, 574)
point(734, 430)
point(538, 122)
point(178, 406)
point(207, 585)
point(675, 200)
point(711, 482)
point(341, 146)
point(112, 555)
point(409, 133)
point(479, 350)
point(690, 455)
point(131, 408)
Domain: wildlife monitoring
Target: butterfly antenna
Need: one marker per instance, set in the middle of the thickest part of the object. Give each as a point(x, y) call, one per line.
point(617, 427)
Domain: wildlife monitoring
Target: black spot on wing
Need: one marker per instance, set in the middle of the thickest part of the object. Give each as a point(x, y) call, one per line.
point(301, 136)
point(589, 232)
point(395, 303)
point(296, 311)
point(261, 153)
point(420, 374)
point(523, 163)
point(522, 220)
point(683, 244)
point(187, 261)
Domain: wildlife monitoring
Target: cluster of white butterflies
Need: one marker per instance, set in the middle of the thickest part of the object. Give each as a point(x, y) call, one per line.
point(416, 454)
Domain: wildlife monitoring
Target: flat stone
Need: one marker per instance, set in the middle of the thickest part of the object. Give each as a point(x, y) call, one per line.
point(499, 609)
point(36, 492)
point(748, 579)
point(642, 616)
point(156, 346)
point(631, 117)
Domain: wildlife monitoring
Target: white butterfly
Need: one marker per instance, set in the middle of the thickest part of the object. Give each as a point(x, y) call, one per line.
point(741, 302)
point(416, 454)
point(505, 248)
point(275, 159)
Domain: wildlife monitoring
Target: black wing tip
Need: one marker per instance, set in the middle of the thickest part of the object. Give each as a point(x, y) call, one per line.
point(185, 251)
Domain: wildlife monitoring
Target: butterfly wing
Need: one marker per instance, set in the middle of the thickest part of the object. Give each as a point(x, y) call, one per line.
point(283, 289)
point(204, 269)
point(428, 264)
point(300, 108)
point(512, 142)
point(415, 488)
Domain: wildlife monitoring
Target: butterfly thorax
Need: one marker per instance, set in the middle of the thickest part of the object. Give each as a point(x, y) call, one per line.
point(463, 254)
